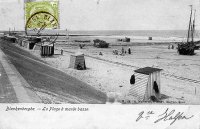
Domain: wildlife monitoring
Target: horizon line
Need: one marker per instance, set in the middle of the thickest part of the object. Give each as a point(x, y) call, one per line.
point(113, 30)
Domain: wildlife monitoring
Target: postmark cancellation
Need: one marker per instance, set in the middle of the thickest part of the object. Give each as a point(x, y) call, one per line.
point(40, 14)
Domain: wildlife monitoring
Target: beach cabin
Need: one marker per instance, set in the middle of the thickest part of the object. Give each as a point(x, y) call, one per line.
point(47, 49)
point(30, 42)
point(19, 41)
point(126, 39)
point(1, 35)
point(12, 39)
point(150, 38)
point(33, 41)
point(77, 61)
point(146, 84)
point(37, 46)
point(27, 44)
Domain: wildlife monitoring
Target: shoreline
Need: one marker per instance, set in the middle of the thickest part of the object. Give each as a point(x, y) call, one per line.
point(120, 44)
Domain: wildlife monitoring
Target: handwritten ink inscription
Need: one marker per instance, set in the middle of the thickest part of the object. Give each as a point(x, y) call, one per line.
point(141, 115)
point(168, 115)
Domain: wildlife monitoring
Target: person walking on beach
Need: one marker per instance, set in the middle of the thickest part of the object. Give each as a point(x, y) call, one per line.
point(61, 51)
point(129, 50)
point(172, 46)
point(168, 46)
point(122, 51)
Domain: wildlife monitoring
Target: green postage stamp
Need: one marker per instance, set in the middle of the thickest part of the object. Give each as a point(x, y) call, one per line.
point(41, 14)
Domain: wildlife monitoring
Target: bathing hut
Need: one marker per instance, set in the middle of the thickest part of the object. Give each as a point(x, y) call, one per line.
point(27, 44)
point(30, 42)
point(77, 61)
point(19, 41)
point(37, 46)
point(12, 39)
point(33, 41)
point(126, 39)
point(150, 38)
point(1, 35)
point(47, 49)
point(146, 84)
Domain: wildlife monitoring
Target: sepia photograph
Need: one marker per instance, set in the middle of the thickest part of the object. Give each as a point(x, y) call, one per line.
point(101, 52)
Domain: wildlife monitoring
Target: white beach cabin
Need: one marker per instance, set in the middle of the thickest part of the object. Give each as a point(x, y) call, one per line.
point(147, 84)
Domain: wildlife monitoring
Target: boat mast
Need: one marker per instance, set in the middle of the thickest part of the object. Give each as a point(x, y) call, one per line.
point(189, 25)
point(193, 26)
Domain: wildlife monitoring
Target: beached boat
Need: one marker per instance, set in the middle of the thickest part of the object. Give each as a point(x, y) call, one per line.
point(187, 48)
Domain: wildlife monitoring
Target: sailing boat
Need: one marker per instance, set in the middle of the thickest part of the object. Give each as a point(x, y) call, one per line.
point(189, 47)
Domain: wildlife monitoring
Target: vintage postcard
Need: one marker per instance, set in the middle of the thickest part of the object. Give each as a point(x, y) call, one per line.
point(100, 63)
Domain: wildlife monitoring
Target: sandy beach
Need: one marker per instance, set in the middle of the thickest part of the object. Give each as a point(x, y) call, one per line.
point(111, 73)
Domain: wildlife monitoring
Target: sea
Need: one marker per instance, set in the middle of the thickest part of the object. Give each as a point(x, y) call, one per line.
point(172, 35)
point(176, 35)
point(152, 33)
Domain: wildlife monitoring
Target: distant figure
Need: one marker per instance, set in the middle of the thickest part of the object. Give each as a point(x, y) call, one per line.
point(61, 51)
point(48, 39)
point(169, 47)
point(81, 45)
point(115, 52)
point(172, 46)
point(122, 51)
point(79, 67)
point(100, 53)
point(129, 50)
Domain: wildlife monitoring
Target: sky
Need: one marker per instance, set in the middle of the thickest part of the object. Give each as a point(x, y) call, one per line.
point(109, 14)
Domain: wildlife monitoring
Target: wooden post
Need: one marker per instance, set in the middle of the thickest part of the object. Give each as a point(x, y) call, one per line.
point(195, 91)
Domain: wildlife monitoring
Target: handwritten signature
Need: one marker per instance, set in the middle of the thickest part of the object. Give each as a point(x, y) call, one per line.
point(168, 115)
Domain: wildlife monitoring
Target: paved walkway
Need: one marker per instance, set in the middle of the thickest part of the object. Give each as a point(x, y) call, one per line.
point(34, 74)
point(7, 93)
point(12, 85)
